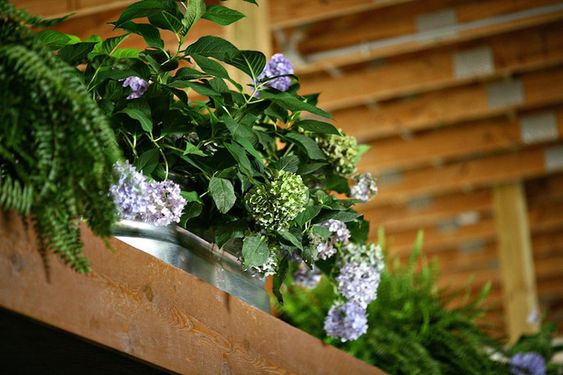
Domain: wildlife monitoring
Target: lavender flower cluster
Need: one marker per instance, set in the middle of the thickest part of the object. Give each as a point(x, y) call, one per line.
point(364, 187)
point(137, 198)
point(278, 66)
point(306, 277)
point(340, 234)
point(527, 364)
point(358, 280)
point(138, 86)
point(346, 321)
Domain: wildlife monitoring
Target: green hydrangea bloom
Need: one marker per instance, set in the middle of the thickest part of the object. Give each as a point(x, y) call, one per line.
point(341, 152)
point(275, 204)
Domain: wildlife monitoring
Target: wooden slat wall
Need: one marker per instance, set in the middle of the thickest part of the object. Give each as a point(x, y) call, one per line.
point(441, 138)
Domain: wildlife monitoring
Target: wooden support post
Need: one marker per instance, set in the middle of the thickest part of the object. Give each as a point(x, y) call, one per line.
point(516, 260)
point(250, 33)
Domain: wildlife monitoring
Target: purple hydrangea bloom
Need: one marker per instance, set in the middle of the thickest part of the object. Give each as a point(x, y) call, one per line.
point(358, 282)
point(527, 364)
point(138, 86)
point(165, 203)
point(137, 198)
point(306, 277)
point(340, 234)
point(129, 191)
point(346, 321)
point(364, 188)
point(278, 66)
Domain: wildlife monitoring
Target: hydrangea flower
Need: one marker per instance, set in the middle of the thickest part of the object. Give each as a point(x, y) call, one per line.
point(129, 191)
point(306, 277)
point(278, 65)
point(138, 86)
point(371, 254)
point(527, 364)
point(274, 205)
point(346, 321)
point(137, 198)
point(358, 282)
point(340, 234)
point(341, 152)
point(165, 203)
point(364, 187)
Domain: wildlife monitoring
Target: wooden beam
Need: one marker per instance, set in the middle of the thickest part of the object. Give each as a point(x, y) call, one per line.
point(291, 13)
point(448, 235)
point(138, 305)
point(516, 259)
point(465, 175)
point(449, 106)
point(437, 69)
point(426, 211)
point(455, 142)
point(392, 40)
point(250, 33)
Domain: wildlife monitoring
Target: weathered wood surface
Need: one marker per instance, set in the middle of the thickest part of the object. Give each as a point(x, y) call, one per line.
point(139, 305)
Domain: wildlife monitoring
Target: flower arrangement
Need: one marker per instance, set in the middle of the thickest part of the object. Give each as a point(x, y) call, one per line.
point(252, 166)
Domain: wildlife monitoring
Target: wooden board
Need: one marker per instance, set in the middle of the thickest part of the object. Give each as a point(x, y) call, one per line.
point(139, 305)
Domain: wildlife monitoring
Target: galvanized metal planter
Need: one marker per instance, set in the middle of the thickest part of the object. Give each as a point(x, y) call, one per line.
point(183, 249)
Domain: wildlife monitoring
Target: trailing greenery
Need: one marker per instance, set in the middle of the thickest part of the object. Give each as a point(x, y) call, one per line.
point(411, 328)
point(56, 146)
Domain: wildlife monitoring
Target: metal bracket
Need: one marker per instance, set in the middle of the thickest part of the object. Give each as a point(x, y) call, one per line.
point(505, 93)
point(473, 62)
point(539, 127)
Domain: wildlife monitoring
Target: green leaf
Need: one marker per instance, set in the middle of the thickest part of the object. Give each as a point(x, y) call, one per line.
point(307, 215)
point(109, 45)
point(321, 231)
point(148, 161)
point(288, 163)
point(211, 67)
point(236, 129)
point(293, 103)
point(125, 53)
point(362, 149)
point(200, 88)
point(344, 216)
point(192, 149)
point(244, 142)
point(75, 54)
point(222, 15)
point(223, 194)
point(213, 46)
point(255, 251)
point(139, 115)
point(250, 62)
point(194, 10)
point(279, 278)
point(56, 39)
point(310, 146)
point(149, 32)
point(310, 168)
point(229, 231)
point(139, 9)
point(239, 154)
point(309, 255)
point(291, 238)
point(319, 127)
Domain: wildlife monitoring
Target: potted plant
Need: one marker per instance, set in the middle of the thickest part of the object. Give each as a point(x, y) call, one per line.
point(253, 167)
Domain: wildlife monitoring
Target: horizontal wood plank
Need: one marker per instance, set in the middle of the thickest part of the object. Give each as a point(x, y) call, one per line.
point(455, 142)
point(449, 106)
point(435, 69)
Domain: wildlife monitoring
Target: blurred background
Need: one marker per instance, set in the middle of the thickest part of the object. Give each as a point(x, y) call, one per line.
point(461, 102)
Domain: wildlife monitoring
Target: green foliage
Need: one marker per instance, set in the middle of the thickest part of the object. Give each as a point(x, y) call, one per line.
point(412, 329)
point(227, 151)
point(56, 147)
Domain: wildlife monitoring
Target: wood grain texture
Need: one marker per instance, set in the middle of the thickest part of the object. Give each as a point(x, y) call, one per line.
point(139, 305)
point(516, 259)
point(446, 107)
point(433, 69)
